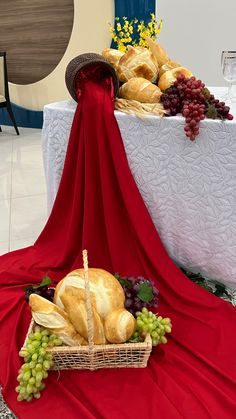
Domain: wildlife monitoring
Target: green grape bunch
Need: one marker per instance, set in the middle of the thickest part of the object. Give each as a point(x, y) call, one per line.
point(37, 362)
point(152, 324)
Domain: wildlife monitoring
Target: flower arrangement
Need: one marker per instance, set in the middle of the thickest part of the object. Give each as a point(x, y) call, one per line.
point(134, 32)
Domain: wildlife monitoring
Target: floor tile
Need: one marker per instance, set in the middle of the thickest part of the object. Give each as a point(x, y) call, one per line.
point(4, 220)
point(5, 165)
point(28, 216)
point(8, 132)
point(27, 151)
point(5, 181)
point(6, 146)
point(28, 182)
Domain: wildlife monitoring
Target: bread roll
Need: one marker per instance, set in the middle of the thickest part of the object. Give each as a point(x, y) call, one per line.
point(76, 310)
point(169, 65)
point(113, 56)
point(119, 326)
point(159, 54)
point(169, 77)
point(106, 292)
point(140, 89)
point(48, 315)
point(137, 62)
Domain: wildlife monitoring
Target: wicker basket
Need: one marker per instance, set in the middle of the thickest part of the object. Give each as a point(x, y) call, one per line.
point(93, 357)
point(82, 61)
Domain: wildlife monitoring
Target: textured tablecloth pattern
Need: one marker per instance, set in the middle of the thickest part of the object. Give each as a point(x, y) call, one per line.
point(189, 187)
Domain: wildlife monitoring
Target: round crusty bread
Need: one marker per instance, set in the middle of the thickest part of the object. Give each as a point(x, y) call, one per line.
point(168, 78)
point(113, 56)
point(76, 310)
point(169, 65)
point(119, 326)
point(106, 292)
point(137, 62)
point(140, 89)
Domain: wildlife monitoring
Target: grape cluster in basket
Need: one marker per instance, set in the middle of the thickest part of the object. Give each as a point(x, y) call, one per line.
point(37, 362)
point(43, 289)
point(139, 293)
point(190, 97)
point(141, 296)
point(152, 324)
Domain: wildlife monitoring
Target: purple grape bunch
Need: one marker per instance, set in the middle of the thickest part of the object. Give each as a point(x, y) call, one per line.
point(139, 293)
point(43, 289)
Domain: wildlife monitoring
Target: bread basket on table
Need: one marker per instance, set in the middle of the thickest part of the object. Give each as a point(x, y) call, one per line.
point(92, 357)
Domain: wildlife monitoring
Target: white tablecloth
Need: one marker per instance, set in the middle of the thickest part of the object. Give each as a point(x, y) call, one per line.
point(188, 187)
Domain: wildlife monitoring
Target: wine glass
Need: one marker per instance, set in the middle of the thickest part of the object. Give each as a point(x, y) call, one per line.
point(228, 65)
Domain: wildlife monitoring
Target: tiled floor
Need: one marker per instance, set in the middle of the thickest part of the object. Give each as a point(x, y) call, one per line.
point(23, 209)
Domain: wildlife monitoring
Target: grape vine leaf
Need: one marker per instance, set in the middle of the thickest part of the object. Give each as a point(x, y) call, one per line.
point(45, 281)
point(145, 293)
point(123, 281)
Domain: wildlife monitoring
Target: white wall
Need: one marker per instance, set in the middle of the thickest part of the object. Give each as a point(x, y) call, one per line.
point(196, 31)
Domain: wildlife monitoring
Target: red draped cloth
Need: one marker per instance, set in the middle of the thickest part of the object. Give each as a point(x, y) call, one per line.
point(99, 207)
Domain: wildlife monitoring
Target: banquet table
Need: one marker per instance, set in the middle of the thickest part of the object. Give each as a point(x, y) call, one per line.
point(188, 187)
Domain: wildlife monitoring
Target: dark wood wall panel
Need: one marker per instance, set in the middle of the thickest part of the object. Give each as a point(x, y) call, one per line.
point(35, 35)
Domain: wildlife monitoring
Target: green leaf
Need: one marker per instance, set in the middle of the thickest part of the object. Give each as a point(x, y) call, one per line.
point(211, 112)
point(29, 287)
point(45, 281)
point(145, 293)
point(206, 92)
point(123, 281)
point(220, 290)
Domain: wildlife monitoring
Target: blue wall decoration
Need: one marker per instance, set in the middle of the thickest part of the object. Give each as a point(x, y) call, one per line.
point(24, 117)
point(140, 9)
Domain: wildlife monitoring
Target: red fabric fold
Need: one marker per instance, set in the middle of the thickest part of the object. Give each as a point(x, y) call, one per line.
point(99, 207)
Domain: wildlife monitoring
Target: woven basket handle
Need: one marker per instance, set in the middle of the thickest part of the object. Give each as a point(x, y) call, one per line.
point(88, 301)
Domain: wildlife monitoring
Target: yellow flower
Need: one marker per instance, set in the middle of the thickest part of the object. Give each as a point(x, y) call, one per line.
point(123, 34)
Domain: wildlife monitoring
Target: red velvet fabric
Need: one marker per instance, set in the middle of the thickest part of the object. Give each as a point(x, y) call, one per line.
point(99, 207)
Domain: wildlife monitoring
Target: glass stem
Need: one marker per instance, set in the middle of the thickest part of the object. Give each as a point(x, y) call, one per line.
point(230, 90)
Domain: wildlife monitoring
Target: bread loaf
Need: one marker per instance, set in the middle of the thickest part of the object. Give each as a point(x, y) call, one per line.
point(76, 310)
point(119, 326)
point(137, 62)
point(106, 292)
point(169, 65)
point(53, 318)
point(159, 54)
point(140, 89)
point(169, 77)
point(113, 56)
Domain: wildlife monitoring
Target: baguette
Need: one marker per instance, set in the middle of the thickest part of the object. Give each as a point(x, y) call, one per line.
point(140, 89)
point(55, 319)
point(158, 52)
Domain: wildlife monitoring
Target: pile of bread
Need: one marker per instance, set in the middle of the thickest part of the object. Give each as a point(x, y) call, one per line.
point(145, 72)
point(67, 315)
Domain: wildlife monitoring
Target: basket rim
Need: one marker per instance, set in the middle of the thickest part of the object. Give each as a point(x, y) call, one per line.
point(146, 344)
point(87, 59)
